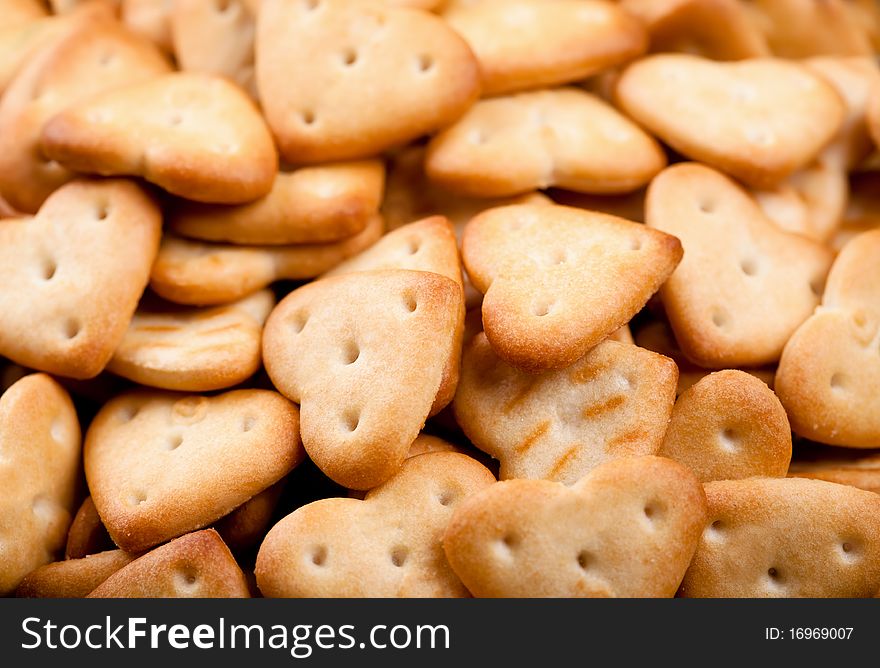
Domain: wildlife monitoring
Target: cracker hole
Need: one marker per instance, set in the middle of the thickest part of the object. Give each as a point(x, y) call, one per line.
point(174, 120)
point(186, 578)
point(774, 574)
point(128, 413)
point(505, 545)
point(414, 246)
point(350, 421)
point(559, 256)
point(308, 117)
point(445, 498)
point(584, 558)
point(838, 382)
point(635, 244)
point(298, 322)
point(137, 498)
point(542, 308)
point(716, 529)
point(318, 555)
point(311, 5)
point(248, 423)
point(222, 6)
point(349, 57)
point(749, 267)
point(398, 556)
point(106, 58)
point(48, 269)
point(847, 548)
point(653, 510)
point(72, 328)
point(410, 303)
point(719, 319)
point(102, 211)
point(860, 319)
point(56, 429)
point(425, 62)
point(729, 440)
point(706, 205)
point(350, 353)
point(175, 441)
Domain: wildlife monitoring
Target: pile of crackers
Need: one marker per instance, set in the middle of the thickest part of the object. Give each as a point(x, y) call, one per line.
point(413, 298)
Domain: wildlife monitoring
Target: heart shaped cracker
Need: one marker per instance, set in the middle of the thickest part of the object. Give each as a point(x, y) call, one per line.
point(307, 205)
point(365, 356)
point(161, 464)
point(384, 76)
point(801, 28)
point(90, 57)
point(194, 272)
point(425, 245)
point(717, 29)
point(856, 468)
point(73, 275)
point(758, 120)
point(829, 374)
point(728, 426)
point(601, 537)
point(194, 350)
point(738, 270)
point(564, 137)
point(787, 537)
point(72, 578)
point(195, 135)
point(324, 549)
point(559, 425)
point(558, 280)
point(197, 565)
point(39, 474)
point(198, 27)
point(523, 44)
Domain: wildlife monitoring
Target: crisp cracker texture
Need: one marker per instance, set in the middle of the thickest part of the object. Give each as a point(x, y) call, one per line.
point(758, 120)
point(727, 426)
point(39, 474)
point(562, 137)
point(193, 350)
point(558, 280)
point(305, 206)
point(202, 273)
point(559, 425)
point(628, 529)
point(197, 565)
point(73, 275)
point(523, 44)
point(160, 464)
point(787, 537)
point(326, 548)
point(195, 135)
point(376, 76)
point(744, 285)
point(829, 374)
point(364, 354)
